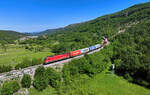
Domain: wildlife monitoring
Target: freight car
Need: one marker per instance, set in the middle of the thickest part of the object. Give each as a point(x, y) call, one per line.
point(98, 45)
point(85, 50)
point(75, 53)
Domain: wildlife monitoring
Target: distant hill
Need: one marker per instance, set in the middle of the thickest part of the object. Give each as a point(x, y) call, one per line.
point(9, 36)
point(62, 29)
point(49, 31)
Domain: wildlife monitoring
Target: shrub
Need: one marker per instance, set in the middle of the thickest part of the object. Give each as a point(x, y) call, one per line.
point(40, 83)
point(53, 77)
point(40, 71)
point(87, 57)
point(40, 79)
point(26, 81)
point(9, 88)
point(128, 77)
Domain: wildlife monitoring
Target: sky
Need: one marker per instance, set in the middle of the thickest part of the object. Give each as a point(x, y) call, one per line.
point(39, 15)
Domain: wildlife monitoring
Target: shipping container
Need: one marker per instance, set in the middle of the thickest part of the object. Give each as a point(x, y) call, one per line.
point(75, 53)
point(85, 50)
point(92, 48)
point(56, 58)
point(98, 46)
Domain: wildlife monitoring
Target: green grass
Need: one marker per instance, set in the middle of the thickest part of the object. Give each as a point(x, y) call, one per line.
point(109, 84)
point(17, 54)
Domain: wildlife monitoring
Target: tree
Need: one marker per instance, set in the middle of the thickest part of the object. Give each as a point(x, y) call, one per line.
point(40, 83)
point(26, 81)
point(53, 77)
point(39, 71)
point(40, 79)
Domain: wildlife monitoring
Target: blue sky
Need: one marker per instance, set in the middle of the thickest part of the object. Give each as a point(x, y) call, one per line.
point(38, 15)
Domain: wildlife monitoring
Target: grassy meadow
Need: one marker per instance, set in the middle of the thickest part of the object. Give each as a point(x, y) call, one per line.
point(15, 54)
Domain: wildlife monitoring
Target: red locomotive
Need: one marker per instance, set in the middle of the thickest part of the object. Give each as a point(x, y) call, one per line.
point(50, 59)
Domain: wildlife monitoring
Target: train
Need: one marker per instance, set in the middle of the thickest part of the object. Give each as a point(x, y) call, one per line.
point(55, 58)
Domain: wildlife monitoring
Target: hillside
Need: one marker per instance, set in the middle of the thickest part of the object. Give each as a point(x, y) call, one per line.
point(117, 20)
point(9, 36)
point(48, 31)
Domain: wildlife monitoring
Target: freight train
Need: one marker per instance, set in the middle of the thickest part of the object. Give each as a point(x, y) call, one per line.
point(55, 58)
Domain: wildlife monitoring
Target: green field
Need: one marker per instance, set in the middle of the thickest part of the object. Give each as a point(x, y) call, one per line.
point(102, 84)
point(15, 54)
